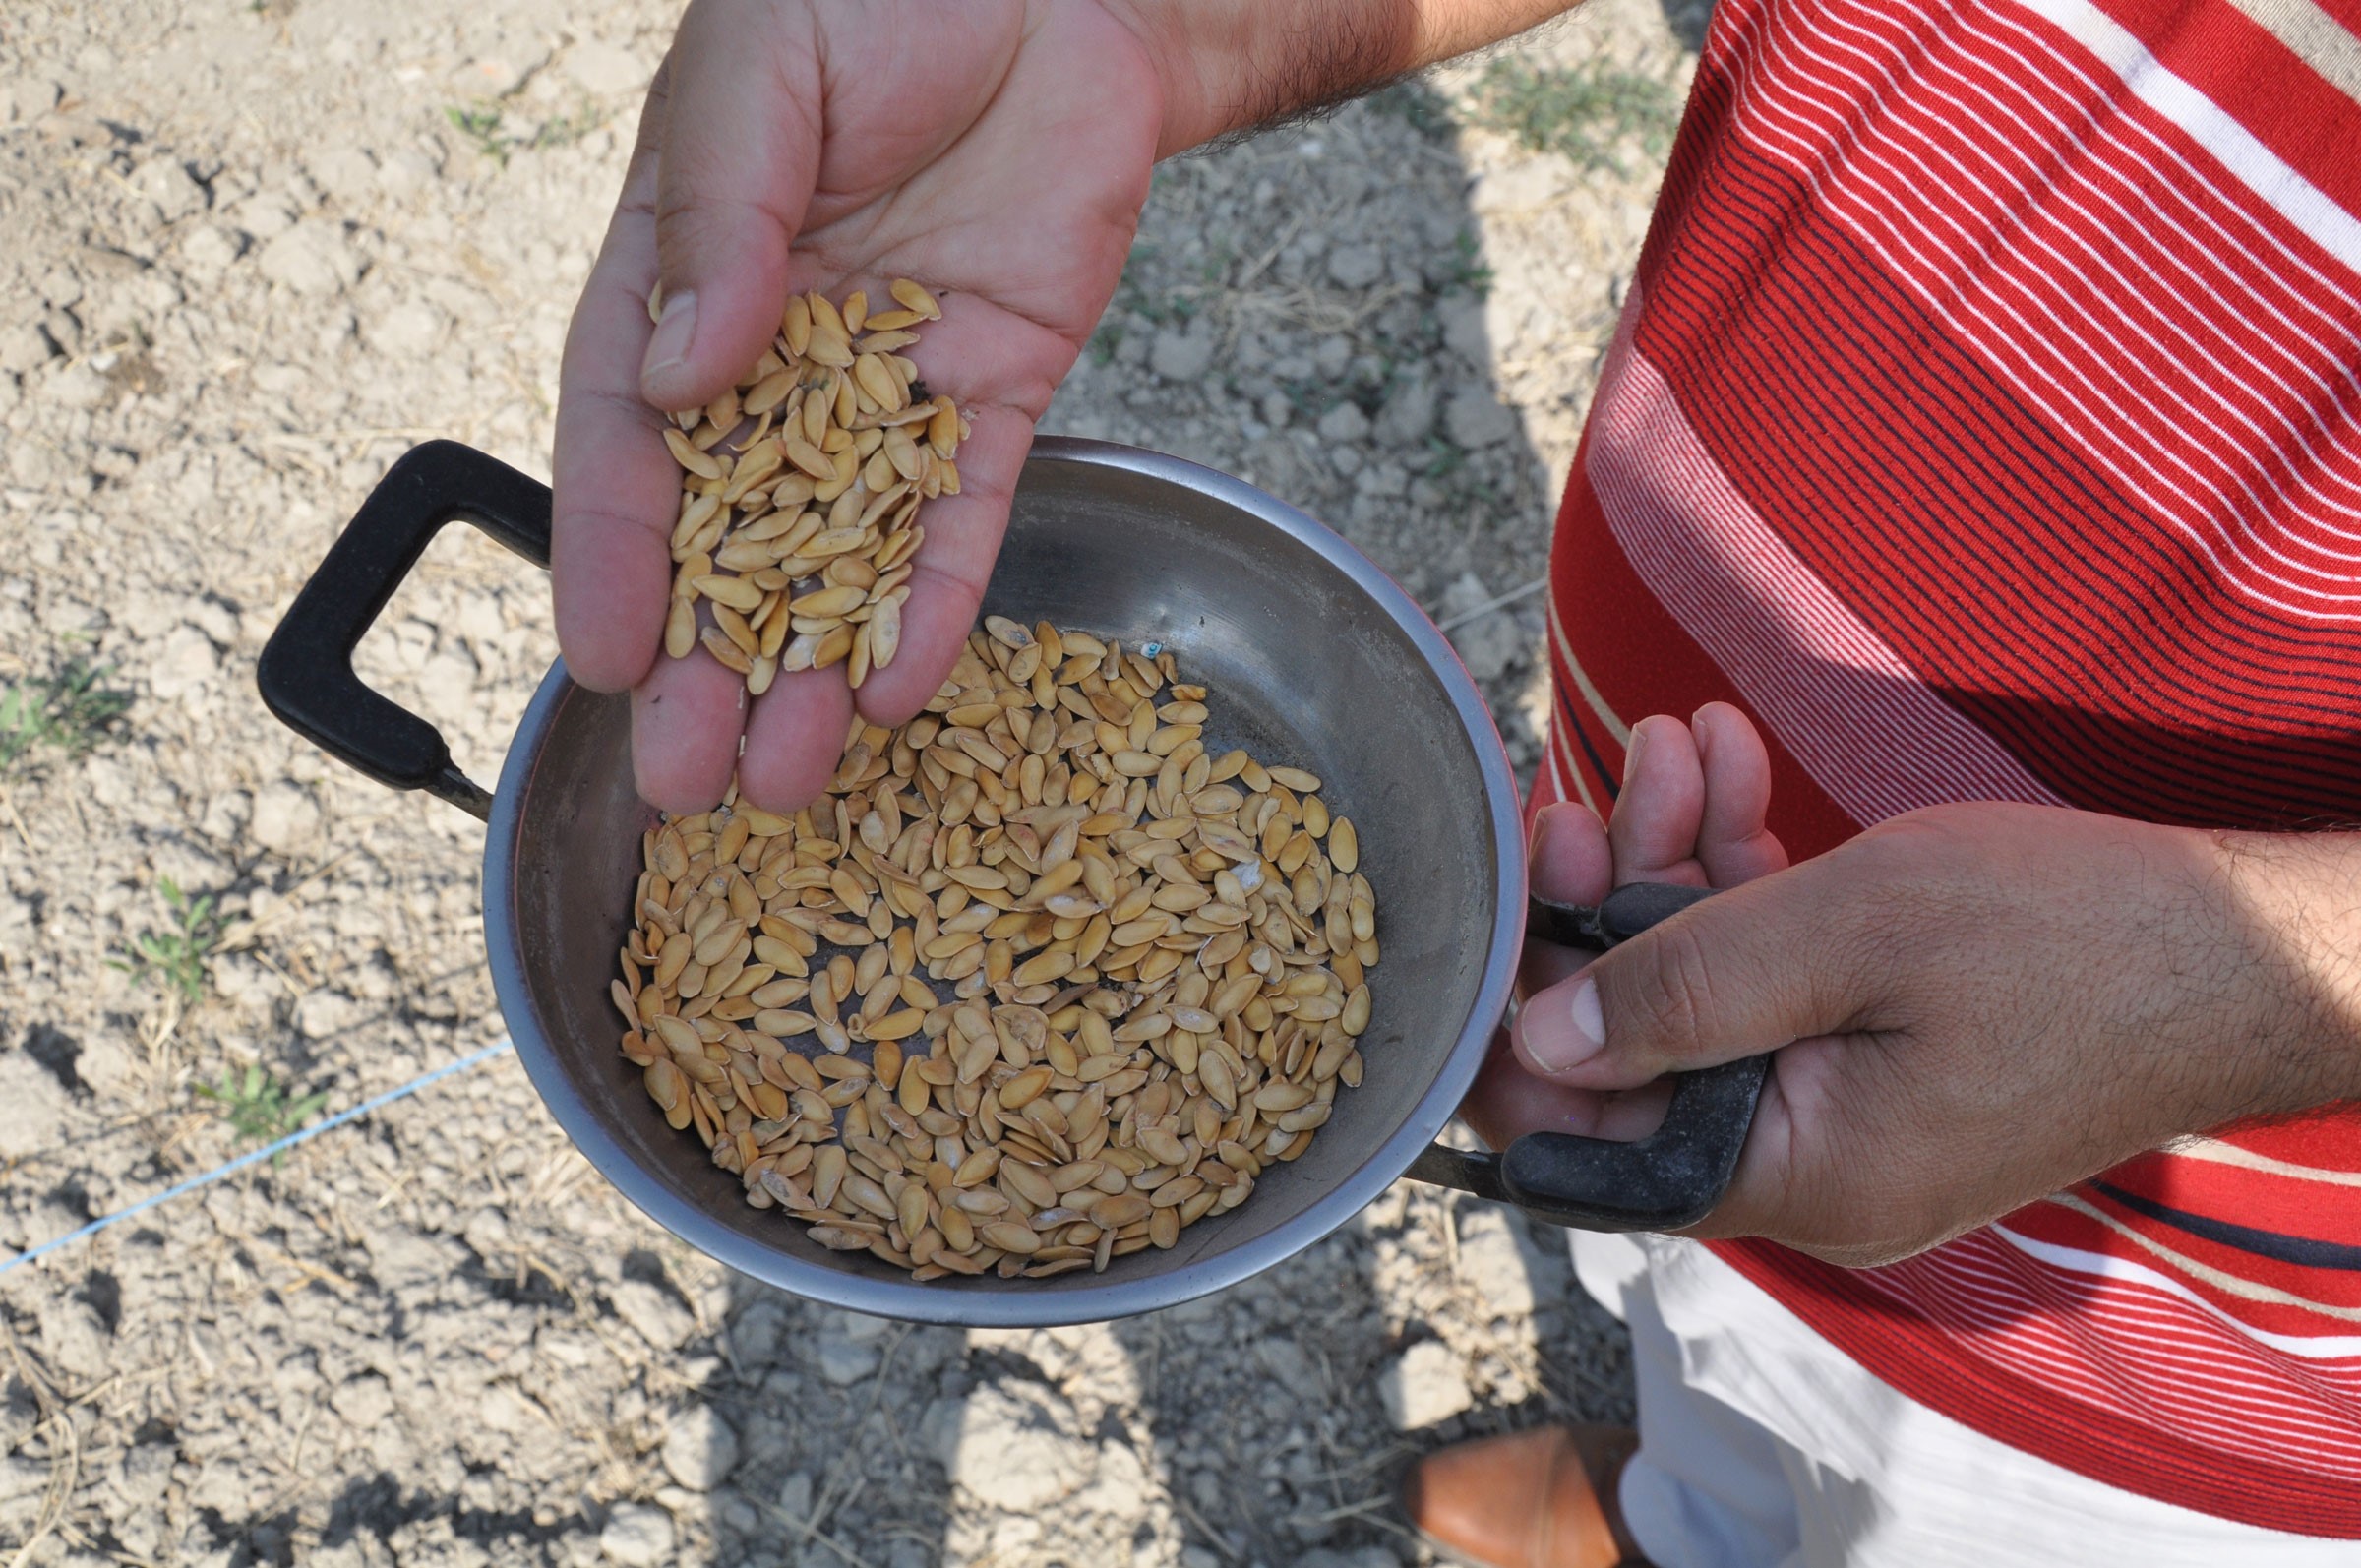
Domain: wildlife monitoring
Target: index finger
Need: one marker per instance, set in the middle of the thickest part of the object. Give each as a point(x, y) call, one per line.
point(1507, 1102)
point(1569, 863)
point(615, 487)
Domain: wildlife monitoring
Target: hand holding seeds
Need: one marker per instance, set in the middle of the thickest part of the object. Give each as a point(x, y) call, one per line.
point(1000, 164)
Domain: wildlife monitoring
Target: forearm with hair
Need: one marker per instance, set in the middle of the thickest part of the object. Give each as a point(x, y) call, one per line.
point(2300, 896)
point(1230, 65)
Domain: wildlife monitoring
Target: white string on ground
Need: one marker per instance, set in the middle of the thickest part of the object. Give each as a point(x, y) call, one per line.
point(1500, 602)
point(263, 1153)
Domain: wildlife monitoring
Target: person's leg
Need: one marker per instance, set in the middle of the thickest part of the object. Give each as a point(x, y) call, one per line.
point(1873, 1479)
point(1763, 1446)
point(1541, 1498)
point(1708, 1488)
point(1942, 1496)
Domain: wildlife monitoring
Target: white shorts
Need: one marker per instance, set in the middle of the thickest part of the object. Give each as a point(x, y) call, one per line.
point(1763, 1446)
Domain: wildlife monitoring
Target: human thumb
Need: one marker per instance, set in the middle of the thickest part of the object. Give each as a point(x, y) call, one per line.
point(1736, 975)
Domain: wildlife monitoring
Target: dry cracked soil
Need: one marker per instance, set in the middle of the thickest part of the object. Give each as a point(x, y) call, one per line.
point(249, 252)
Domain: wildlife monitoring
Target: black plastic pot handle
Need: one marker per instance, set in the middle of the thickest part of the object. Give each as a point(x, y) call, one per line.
point(306, 673)
point(1671, 1177)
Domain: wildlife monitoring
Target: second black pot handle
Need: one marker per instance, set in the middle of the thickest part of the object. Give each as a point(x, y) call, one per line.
point(306, 673)
point(1669, 1178)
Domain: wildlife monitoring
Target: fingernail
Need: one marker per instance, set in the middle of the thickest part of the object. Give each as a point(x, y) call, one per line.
point(1631, 747)
point(1540, 838)
point(675, 329)
point(1561, 1037)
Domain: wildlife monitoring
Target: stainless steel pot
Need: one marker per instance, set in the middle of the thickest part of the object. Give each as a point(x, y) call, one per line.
point(1312, 654)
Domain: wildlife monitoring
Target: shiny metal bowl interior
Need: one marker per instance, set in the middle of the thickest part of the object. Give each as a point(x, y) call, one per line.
point(1311, 656)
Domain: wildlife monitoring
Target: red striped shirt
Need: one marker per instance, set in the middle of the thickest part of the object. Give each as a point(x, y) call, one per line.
point(1986, 421)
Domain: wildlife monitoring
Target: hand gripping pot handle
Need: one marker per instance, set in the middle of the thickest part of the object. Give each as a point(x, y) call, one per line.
point(305, 672)
point(1671, 1177)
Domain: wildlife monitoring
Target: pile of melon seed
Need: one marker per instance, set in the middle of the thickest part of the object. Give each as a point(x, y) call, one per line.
point(800, 493)
point(1036, 984)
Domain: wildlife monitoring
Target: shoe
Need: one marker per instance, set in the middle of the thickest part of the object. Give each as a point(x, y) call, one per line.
point(1537, 1499)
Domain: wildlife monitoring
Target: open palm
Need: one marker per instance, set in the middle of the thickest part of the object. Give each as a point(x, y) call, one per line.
point(997, 151)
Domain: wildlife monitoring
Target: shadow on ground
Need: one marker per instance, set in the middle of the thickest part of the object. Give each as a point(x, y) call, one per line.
point(1258, 1425)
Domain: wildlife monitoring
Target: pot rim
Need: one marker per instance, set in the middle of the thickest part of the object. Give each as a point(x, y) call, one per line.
point(1119, 1296)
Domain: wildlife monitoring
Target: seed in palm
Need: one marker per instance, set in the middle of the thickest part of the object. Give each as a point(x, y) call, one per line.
point(801, 491)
